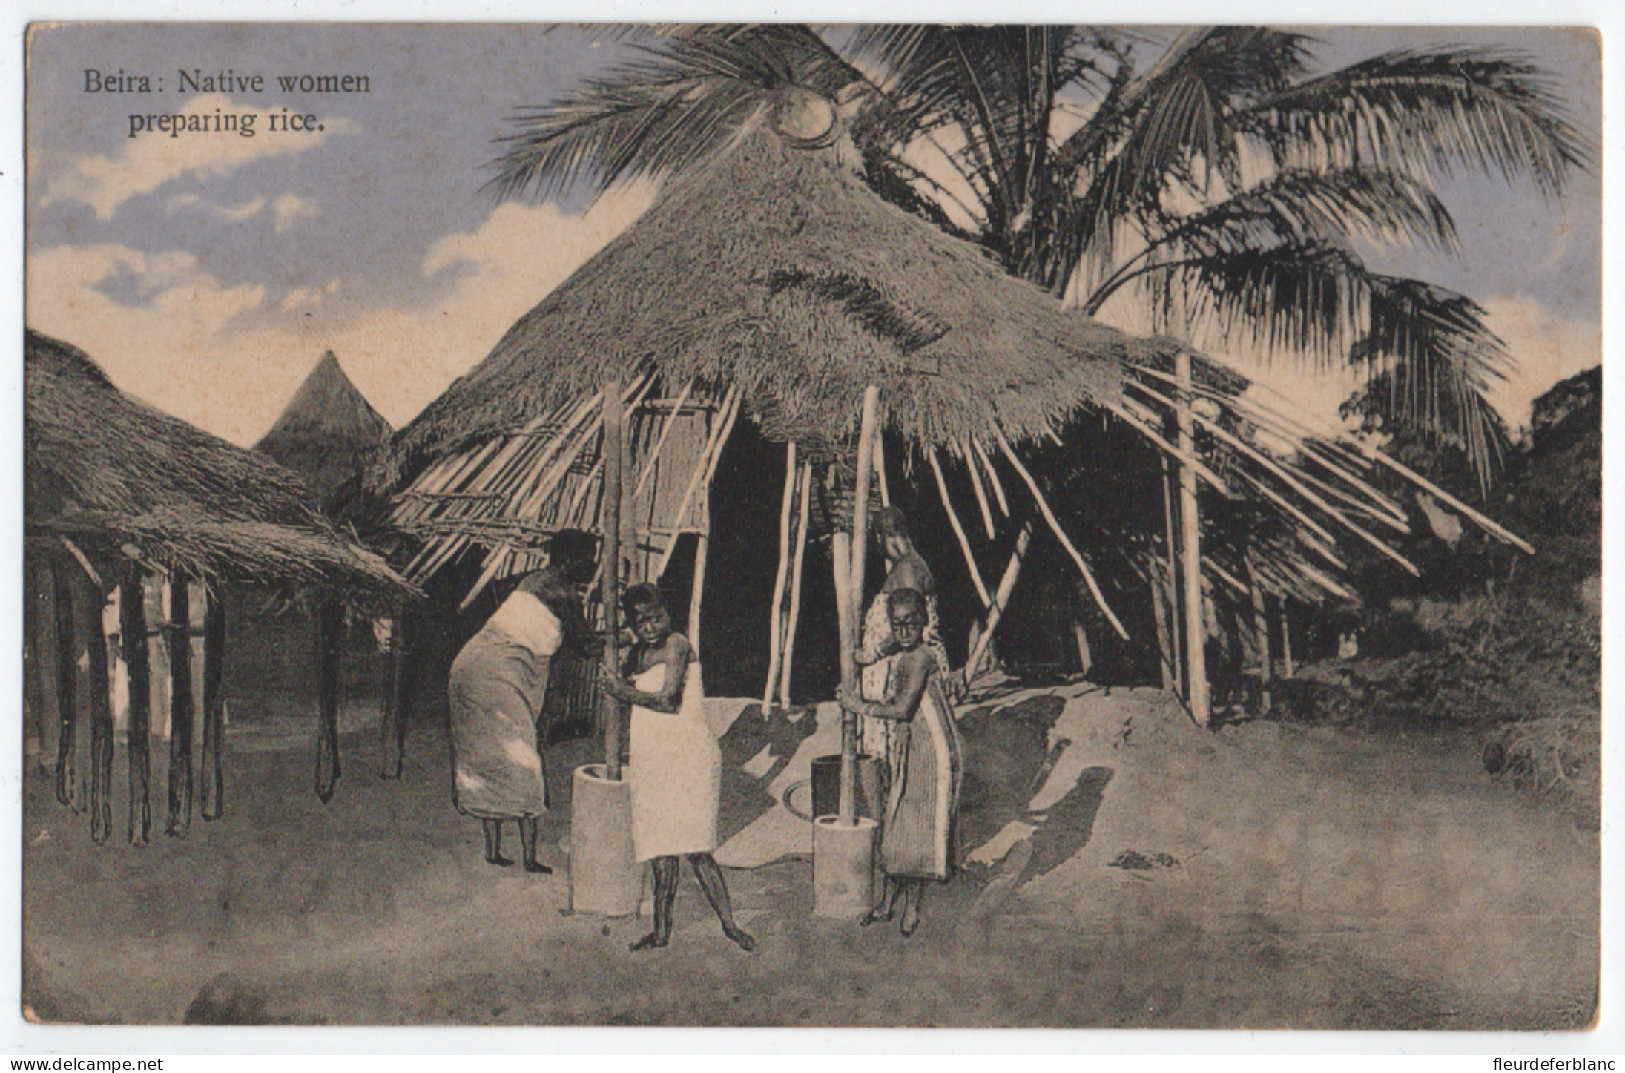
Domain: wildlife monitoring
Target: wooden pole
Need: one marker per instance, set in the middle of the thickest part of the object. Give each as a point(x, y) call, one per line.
point(696, 599)
point(609, 573)
point(846, 627)
point(1001, 598)
point(1080, 635)
point(67, 684)
point(398, 699)
point(132, 611)
point(34, 689)
point(880, 468)
point(329, 642)
point(860, 553)
point(180, 704)
point(1286, 637)
point(100, 710)
point(1167, 659)
point(214, 702)
point(1168, 576)
point(795, 585)
point(1261, 628)
point(959, 530)
point(1191, 550)
point(1060, 534)
point(775, 624)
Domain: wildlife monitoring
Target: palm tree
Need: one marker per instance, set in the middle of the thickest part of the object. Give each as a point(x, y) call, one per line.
point(1222, 187)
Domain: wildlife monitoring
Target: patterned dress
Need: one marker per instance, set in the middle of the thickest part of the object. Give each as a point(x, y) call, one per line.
point(675, 772)
point(497, 684)
point(925, 759)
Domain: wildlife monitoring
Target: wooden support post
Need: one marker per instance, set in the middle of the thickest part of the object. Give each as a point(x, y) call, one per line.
point(696, 599)
point(1261, 630)
point(1001, 598)
point(214, 702)
point(34, 690)
point(775, 623)
point(880, 468)
point(132, 612)
point(67, 684)
point(1086, 659)
point(100, 710)
point(329, 648)
point(1169, 576)
point(609, 574)
point(1191, 550)
point(794, 615)
point(1060, 534)
point(1167, 656)
point(847, 631)
point(180, 704)
point(959, 532)
point(1286, 637)
point(397, 700)
point(847, 812)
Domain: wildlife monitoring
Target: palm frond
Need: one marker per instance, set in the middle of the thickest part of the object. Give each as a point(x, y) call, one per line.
point(1296, 208)
point(667, 111)
point(1430, 113)
point(1321, 304)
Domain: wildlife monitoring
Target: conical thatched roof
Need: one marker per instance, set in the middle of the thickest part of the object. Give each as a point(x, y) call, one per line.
point(328, 433)
point(778, 271)
point(108, 471)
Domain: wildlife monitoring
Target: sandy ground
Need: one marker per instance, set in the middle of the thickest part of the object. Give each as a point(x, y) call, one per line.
point(1123, 869)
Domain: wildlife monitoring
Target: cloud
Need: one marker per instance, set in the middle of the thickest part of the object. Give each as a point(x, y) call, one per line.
point(228, 358)
point(153, 158)
point(307, 297)
point(1547, 347)
point(236, 213)
point(290, 209)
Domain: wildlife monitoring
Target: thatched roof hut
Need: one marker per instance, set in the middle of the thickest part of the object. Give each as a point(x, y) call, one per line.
point(105, 470)
point(775, 283)
point(777, 271)
point(328, 433)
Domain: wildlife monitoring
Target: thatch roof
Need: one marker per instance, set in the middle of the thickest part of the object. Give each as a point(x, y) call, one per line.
point(776, 270)
point(775, 281)
point(106, 470)
point(328, 433)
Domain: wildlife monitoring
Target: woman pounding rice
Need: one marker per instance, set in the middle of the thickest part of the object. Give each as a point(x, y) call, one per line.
point(676, 767)
point(495, 694)
point(924, 761)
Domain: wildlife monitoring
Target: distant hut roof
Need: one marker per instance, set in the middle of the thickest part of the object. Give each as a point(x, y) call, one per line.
point(102, 465)
point(777, 271)
point(328, 433)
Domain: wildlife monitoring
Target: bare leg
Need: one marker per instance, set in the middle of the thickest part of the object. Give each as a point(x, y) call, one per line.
point(882, 912)
point(913, 891)
point(493, 843)
point(527, 846)
point(709, 873)
point(665, 871)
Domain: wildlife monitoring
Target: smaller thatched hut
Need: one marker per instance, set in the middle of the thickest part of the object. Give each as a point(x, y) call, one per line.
point(328, 433)
point(117, 494)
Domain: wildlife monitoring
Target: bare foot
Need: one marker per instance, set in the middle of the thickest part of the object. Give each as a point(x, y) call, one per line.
point(877, 915)
point(499, 860)
point(911, 920)
point(538, 868)
point(741, 938)
point(652, 941)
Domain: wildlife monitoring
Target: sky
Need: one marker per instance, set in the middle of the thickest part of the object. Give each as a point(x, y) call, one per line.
point(208, 272)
